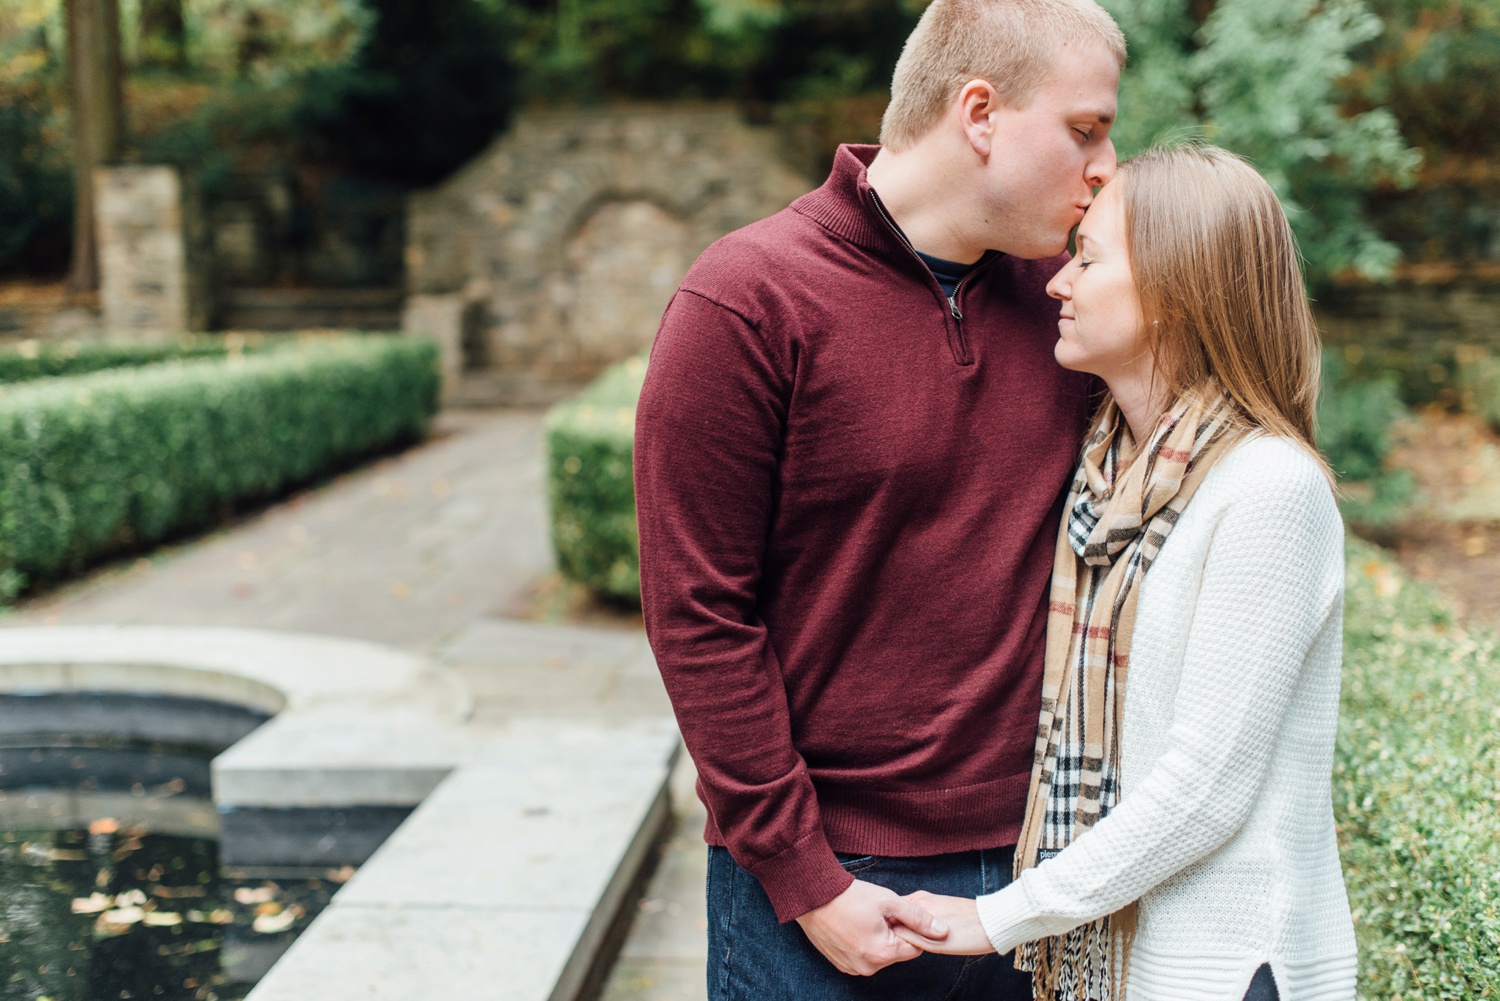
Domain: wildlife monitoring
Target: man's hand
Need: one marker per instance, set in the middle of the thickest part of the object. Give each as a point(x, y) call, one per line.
point(965, 936)
point(856, 929)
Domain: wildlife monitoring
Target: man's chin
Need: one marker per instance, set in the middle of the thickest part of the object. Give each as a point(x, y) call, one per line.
point(1041, 250)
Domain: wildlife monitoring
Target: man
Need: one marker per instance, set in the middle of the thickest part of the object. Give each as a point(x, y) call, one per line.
point(851, 451)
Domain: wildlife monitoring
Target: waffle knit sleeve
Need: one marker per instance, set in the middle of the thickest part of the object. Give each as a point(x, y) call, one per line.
point(1272, 578)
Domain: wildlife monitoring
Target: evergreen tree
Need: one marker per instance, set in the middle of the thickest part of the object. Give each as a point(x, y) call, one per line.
point(431, 86)
point(1263, 78)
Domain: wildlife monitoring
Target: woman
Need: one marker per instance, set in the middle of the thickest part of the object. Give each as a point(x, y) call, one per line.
point(1179, 840)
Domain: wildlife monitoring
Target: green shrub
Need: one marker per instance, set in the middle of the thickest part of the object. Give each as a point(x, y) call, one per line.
point(589, 486)
point(1416, 779)
point(93, 464)
point(1355, 420)
point(40, 360)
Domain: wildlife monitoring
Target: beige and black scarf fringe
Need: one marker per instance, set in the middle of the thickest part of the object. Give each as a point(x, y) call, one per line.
point(1123, 505)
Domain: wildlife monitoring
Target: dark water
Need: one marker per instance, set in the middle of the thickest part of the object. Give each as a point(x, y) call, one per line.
point(131, 914)
point(110, 882)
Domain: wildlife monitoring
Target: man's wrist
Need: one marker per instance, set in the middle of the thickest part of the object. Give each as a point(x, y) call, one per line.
point(801, 878)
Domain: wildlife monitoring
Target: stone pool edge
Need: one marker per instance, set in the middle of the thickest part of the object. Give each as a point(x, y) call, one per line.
point(510, 875)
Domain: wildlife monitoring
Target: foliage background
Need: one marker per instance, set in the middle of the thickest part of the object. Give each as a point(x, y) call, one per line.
point(1318, 93)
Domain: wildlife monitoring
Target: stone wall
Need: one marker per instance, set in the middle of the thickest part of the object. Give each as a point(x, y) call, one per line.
point(1410, 315)
point(151, 265)
point(556, 250)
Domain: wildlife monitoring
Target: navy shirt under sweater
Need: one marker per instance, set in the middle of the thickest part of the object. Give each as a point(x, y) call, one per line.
point(949, 273)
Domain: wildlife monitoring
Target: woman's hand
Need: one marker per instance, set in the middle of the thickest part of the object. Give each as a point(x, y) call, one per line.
point(966, 935)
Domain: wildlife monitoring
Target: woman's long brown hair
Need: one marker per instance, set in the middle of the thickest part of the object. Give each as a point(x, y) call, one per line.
point(1220, 286)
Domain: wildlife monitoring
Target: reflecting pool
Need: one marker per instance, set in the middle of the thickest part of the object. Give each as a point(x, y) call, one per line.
point(110, 882)
point(119, 912)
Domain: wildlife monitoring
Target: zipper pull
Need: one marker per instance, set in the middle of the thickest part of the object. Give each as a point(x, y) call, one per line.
point(953, 305)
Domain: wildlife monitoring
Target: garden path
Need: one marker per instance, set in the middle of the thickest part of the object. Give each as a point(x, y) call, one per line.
point(439, 551)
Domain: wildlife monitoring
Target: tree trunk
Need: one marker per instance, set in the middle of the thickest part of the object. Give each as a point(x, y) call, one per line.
point(163, 36)
point(94, 75)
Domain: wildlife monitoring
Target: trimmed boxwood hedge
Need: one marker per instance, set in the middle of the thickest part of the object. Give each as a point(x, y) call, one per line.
point(589, 486)
point(93, 464)
point(1415, 787)
point(30, 360)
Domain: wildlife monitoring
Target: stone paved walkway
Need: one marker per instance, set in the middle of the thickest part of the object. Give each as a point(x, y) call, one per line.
point(432, 551)
point(663, 958)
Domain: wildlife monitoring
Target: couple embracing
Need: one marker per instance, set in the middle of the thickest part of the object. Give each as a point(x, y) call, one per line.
point(998, 591)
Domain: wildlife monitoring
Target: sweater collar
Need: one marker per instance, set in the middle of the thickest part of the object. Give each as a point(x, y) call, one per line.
point(845, 204)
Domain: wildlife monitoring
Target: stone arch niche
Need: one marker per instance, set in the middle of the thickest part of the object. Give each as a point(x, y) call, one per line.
point(563, 242)
point(623, 264)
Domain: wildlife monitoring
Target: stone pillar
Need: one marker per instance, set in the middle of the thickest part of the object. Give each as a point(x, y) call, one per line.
point(440, 317)
point(152, 277)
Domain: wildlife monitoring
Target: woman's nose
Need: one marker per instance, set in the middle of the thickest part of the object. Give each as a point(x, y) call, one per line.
point(1059, 288)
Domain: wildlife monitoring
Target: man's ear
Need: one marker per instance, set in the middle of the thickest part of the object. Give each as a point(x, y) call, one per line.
point(978, 103)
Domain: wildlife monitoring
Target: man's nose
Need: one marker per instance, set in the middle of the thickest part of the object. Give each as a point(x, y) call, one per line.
point(1102, 169)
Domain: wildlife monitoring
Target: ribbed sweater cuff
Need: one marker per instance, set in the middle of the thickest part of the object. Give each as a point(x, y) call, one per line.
point(1009, 918)
point(805, 876)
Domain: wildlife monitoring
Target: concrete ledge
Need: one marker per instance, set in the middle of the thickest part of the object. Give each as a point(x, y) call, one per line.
point(355, 724)
point(264, 670)
point(505, 883)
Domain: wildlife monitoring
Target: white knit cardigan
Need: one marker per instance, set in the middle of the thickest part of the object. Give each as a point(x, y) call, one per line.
point(1224, 830)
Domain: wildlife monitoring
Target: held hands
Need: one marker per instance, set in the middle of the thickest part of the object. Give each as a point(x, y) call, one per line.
point(966, 936)
point(865, 929)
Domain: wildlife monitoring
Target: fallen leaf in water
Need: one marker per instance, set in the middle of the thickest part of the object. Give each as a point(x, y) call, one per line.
point(171, 788)
point(92, 904)
point(161, 919)
point(175, 892)
point(122, 916)
point(104, 825)
point(69, 855)
point(270, 924)
point(125, 849)
point(254, 894)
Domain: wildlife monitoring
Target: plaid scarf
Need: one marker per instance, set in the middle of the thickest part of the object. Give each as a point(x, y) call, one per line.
point(1122, 507)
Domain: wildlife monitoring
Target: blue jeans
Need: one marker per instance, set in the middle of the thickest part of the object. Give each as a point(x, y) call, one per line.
point(753, 957)
point(1263, 986)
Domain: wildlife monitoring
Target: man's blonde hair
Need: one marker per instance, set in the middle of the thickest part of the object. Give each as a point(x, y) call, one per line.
point(1011, 44)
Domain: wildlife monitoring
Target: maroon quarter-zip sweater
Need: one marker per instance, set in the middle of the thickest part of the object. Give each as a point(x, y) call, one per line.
point(849, 491)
